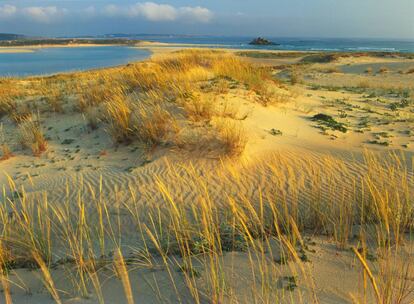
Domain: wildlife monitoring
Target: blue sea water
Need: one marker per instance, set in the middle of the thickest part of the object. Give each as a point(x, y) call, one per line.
point(55, 60)
point(299, 44)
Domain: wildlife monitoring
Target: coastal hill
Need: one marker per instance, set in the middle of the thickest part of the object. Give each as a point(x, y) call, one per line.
point(8, 36)
point(16, 40)
point(62, 42)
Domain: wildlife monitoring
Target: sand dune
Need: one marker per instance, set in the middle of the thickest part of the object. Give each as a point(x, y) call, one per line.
point(92, 195)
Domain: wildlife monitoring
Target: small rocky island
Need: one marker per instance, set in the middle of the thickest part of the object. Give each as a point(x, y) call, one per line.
point(261, 41)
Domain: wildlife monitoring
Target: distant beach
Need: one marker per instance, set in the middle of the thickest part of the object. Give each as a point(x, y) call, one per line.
point(9, 50)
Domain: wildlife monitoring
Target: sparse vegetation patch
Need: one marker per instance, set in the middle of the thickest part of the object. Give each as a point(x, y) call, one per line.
point(329, 122)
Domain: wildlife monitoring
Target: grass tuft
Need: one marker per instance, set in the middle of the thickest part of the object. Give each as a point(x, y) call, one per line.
point(232, 136)
point(31, 135)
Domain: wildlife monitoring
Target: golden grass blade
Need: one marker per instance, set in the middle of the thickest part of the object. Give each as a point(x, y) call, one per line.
point(368, 271)
point(47, 277)
point(122, 272)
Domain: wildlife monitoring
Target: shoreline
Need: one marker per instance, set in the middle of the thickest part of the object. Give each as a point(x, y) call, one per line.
point(14, 50)
point(157, 46)
point(163, 47)
point(33, 48)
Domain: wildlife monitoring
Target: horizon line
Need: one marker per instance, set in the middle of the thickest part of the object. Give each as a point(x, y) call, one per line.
point(214, 35)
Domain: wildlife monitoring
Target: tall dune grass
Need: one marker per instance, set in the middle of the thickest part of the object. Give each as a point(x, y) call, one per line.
point(6, 152)
point(174, 81)
point(199, 107)
point(119, 112)
point(197, 238)
point(6, 105)
point(153, 123)
point(53, 95)
point(233, 136)
point(171, 83)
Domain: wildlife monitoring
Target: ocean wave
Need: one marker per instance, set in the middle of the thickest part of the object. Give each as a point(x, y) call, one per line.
point(325, 49)
point(364, 48)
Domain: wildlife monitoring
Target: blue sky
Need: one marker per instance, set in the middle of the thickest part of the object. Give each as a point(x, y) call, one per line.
point(289, 18)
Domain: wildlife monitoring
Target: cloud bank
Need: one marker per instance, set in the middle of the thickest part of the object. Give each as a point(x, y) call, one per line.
point(7, 11)
point(149, 11)
point(160, 12)
point(46, 14)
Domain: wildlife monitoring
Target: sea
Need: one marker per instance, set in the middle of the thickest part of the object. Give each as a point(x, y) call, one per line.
point(47, 61)
point(294, 44)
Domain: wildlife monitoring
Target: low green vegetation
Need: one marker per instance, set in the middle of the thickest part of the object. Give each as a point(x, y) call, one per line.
point(329, 122)
point(331, 57)
point(271, 55)
point(276, 132)
point(320, 58)
point(378, 142)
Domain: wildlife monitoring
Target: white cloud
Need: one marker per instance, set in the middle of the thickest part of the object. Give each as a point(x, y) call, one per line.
point(7, 11)
point(44, 14)
point(198, 13)
point(151, 11)
point(154, 12)
point(160, 12)
point(89, 11)
point(112, 10)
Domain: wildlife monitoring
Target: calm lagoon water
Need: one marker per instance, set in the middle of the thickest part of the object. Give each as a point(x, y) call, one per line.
point(56, 60)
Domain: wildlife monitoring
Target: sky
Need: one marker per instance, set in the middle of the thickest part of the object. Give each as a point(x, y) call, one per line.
point(272, 18)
